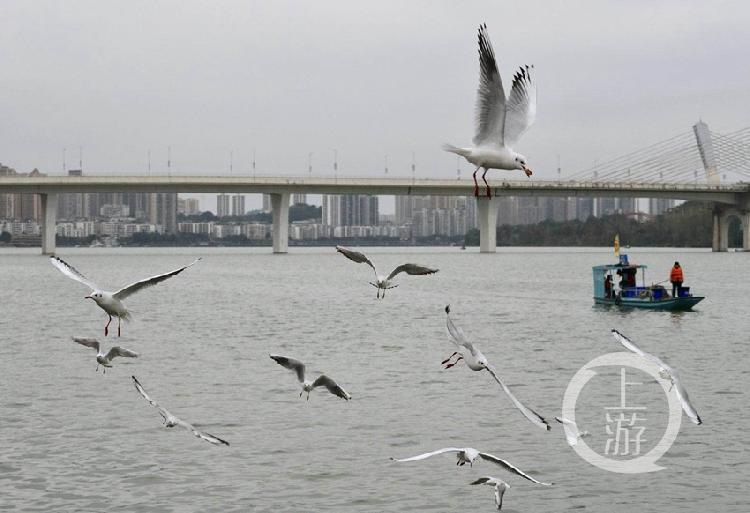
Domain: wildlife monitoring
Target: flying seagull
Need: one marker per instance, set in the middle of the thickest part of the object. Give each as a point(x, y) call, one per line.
point(665, 371)
point(572, 435)
point(171, 421)
point(500, 488)
point(381, 282)
point(104, 359)
point(111, 302)
point(476, 361)
point(468, 455)
point(500, 121)
point(298, 368)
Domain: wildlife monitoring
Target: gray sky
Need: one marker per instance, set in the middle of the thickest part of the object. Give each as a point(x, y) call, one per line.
point(375, 78)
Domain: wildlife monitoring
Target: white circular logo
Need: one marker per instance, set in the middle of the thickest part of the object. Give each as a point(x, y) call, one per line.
point(641, 463)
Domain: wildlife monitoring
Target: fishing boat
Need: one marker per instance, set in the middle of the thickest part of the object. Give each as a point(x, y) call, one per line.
point(631, 295)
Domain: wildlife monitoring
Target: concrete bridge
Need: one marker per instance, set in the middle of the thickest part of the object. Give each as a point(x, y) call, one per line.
point(730, 200)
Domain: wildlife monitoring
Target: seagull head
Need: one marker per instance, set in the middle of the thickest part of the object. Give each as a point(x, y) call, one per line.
point(96, 296)
point(521, 164)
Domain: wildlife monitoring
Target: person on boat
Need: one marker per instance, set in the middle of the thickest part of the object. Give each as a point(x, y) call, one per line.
point(608, 286)
point(676, 277)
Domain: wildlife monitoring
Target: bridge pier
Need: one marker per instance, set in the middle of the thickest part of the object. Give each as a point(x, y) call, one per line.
point(49, 216)
point(722, 216)
point(487, 216)
point(280, 214)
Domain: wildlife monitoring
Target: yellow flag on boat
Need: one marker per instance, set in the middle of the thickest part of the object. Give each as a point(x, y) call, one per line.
point(617, 245)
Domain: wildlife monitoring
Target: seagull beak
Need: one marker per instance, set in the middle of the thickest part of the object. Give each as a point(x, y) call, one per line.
point(87, 297)
point(527, 170)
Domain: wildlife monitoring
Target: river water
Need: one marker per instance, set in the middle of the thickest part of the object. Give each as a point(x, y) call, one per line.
point(73, 439)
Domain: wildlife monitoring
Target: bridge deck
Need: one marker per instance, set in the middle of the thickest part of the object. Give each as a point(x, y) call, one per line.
point(351, 185)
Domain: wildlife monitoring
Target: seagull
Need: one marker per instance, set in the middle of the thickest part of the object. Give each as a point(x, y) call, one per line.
point(468, 455)
point(500, 487)
point(500, 122)
point(476, 361)
point(102, 358)
point(171, 421)
point(572, 435)
point(298, 368)
point(383, 283)
point(666, 372)
point(111, 302)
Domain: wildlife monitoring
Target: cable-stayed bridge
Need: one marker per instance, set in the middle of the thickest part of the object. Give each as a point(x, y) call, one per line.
point(689, 166)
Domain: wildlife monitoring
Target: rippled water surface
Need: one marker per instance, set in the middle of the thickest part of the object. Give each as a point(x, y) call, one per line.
point(72, 439)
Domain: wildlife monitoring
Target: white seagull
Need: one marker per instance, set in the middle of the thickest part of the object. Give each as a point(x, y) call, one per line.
point(104, 359)
point(476, 361)
point(171, 421)
point(665, 371)
point(468, 455)
point(572, 435)
point(298, 368)
point(382, 282)
point(500, 488)
point(500, 122)
point(111, 302)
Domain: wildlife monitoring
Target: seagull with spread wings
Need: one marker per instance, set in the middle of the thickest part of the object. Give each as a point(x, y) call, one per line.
point(111, 302)
point(665, 371)
point(476, 361)
point(298, 368)
point(171, 421)
point(102, 358)
point(382, 282)
point(500, 488)
point(500, 121)
point(469, 454)
point(572, 434)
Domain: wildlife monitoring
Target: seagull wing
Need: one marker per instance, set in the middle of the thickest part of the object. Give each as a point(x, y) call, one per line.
point(201, 434)
point(356, 256)
point(293, 365)
point(149, 282)
point(120, 351)
point(455, 333)
point(71, 272)
point(411, 269)
point(428, 454)
point(631, 346)
point(163, 411)
point(88, 342)
point(510, 468)
point(682, 395)
point(520, 109)
point(484, 480)
point(571, 430)
point(530, 414)
point(332, 386)
point(490, 106)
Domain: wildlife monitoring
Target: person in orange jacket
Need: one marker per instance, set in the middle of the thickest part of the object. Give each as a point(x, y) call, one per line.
point(676, 277)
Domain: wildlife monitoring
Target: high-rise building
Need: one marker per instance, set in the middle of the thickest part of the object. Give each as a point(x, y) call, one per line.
point(238, 205)
point(350, 210)
point(222, 205)
point(164, 211)
point(657, 206)
point(299, 198)
point(267, 203)
point(584, 208)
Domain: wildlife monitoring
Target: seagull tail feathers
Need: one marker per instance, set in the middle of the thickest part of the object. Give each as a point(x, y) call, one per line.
point(455, 149)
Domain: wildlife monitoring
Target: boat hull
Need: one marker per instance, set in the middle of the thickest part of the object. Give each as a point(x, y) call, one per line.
point(674, 304)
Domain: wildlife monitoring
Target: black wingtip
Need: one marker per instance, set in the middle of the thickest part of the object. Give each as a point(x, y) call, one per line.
point(447, 309)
